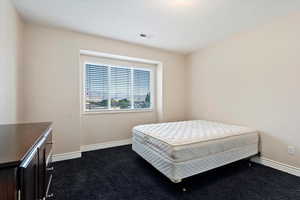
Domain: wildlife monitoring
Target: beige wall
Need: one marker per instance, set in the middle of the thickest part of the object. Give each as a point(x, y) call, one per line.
point(10, 63)
point(53, 86)
point(253, 79)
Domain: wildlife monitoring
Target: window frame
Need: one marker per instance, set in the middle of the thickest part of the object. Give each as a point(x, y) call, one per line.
point(109, 110)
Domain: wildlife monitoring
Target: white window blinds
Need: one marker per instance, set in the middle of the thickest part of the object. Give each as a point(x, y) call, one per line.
point(96, 87)
point(141, 88)
point(120, 88)
point(117, 88)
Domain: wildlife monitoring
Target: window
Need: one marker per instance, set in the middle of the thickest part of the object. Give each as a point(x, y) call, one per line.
point(117, 88)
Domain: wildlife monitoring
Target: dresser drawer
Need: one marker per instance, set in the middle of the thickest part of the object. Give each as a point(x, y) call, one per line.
point(30, 177)
point(45, 164)
point(49, 168)
point(48, 148)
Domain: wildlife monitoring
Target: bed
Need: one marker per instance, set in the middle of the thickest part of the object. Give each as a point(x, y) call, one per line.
point(186, 148)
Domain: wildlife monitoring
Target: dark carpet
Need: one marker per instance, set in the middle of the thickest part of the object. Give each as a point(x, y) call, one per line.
point(119, 173)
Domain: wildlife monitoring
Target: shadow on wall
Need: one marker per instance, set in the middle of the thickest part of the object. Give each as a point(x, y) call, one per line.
point(267, 148)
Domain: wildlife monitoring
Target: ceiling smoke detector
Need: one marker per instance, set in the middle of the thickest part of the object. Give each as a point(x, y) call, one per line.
point(143, 35)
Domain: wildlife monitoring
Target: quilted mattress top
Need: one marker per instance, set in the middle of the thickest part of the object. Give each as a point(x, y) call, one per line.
point(188, 132)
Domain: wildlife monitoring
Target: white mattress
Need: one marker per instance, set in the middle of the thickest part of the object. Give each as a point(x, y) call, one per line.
point(187, 140)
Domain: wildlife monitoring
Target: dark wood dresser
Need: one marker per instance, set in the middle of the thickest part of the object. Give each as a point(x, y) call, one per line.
point(25, 161)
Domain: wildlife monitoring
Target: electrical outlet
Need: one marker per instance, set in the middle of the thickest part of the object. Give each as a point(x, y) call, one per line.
point(291, 150)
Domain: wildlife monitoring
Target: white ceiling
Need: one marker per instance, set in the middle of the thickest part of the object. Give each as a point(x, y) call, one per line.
point(177, 25)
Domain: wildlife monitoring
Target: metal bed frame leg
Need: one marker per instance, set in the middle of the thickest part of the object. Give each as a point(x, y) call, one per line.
point(179, 183)
point(176, 180)
point(249, 159)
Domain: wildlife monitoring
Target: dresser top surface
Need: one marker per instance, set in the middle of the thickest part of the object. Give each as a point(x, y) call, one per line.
point(16, 140)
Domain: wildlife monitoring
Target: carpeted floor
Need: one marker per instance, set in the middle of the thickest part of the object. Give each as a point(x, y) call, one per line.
point(119, 173)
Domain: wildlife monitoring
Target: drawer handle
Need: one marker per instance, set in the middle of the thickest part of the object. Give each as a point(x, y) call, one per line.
point(50, 168)
point(49, 142)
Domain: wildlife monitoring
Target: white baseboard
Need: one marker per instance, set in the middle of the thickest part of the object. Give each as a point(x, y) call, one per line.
point(66, 156)
point(90, 147)
point(104, 145)
point(277, 165)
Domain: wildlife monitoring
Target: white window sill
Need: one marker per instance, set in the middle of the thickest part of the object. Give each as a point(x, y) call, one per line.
point(100, 112)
